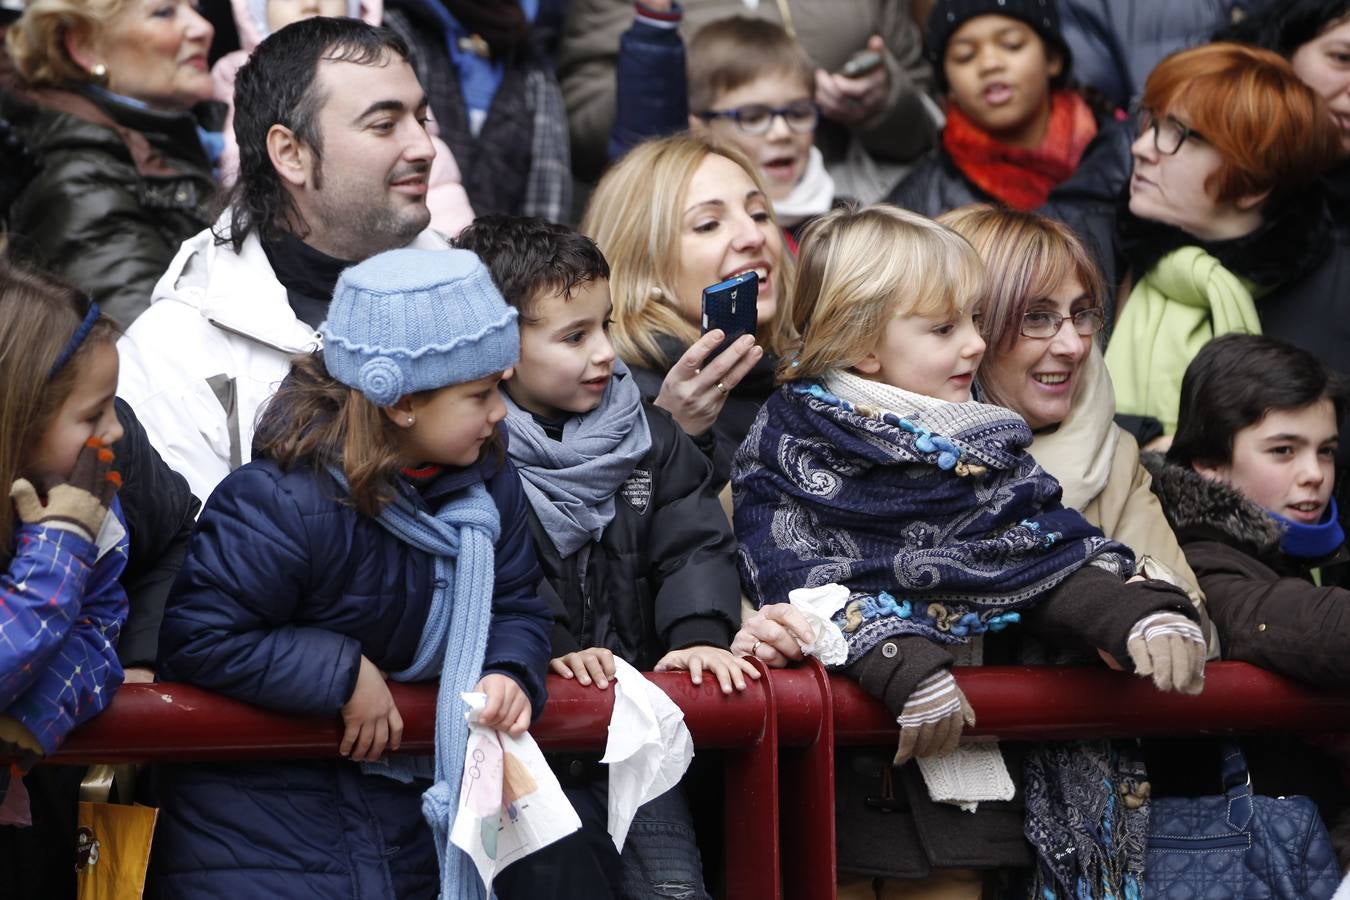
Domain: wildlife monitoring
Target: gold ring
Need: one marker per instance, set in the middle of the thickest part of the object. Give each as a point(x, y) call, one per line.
point(721, 387)
point(754, 648)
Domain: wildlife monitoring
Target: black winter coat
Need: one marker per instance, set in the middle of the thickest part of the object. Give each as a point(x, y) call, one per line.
point(886, 824)
point(738, 413)
point(663, 575)
point(285, 588)
point(160, 512)
point(1299, 259)
point(118, 189)
point(1264, 604)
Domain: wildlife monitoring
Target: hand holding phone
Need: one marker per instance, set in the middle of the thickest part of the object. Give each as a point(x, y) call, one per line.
point(861, 63)
point(731, 306)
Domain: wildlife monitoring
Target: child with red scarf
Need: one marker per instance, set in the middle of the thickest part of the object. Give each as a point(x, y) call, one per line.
point(1015, 129)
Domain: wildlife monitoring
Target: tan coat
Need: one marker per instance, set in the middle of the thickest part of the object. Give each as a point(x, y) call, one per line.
point(830, 32)
point(1097, 464)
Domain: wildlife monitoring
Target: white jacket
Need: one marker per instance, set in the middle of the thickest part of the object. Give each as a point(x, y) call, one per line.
point(217, 340)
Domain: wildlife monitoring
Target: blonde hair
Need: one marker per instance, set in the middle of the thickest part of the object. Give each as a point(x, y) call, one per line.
point(856, 268)
point(1028, 256)
point(37, 40)
point(38, 317)
point(635, 218)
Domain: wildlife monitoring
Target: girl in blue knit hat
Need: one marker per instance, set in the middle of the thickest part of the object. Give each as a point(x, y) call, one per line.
point(872, 470)
point(380, 532)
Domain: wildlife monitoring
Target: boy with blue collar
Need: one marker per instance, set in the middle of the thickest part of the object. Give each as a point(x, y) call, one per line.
point(1247, 486)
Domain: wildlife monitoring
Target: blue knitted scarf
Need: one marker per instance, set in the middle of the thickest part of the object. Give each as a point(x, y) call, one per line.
point(462, 537)
point(934, 516)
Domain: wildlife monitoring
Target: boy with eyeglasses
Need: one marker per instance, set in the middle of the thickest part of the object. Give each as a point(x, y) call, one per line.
point(751, 85)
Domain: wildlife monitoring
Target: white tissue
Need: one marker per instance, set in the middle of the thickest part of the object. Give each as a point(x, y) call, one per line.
point(649, 747)
point(510, 802)
point(818, 604)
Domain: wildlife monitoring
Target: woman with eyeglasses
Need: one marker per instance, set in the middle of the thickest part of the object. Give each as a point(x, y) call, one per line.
point(1044, 307)
point(1225, 230)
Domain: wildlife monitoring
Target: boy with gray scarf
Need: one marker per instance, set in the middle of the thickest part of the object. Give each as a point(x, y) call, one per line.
point(638, 556)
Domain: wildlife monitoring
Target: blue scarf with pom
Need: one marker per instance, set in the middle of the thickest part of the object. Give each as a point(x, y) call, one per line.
point(931, 513)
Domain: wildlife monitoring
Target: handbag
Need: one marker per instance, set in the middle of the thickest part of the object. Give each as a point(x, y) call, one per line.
point(1238, 845)
point(112, 845)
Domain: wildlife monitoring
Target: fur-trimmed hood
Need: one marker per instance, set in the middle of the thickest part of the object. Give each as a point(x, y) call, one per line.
point(1198, 507)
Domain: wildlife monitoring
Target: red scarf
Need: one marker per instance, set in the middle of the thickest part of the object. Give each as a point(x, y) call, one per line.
point(1017, 176)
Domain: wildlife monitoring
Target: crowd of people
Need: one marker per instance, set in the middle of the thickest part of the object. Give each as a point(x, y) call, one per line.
point(346, 342)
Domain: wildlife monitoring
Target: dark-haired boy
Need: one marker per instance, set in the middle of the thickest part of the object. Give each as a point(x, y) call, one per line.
point(630, 535)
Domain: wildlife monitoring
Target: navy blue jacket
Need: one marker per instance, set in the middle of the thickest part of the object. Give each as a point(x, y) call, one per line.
point(283, 590)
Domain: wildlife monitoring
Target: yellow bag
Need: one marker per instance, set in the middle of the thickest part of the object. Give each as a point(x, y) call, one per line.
point(112, 845)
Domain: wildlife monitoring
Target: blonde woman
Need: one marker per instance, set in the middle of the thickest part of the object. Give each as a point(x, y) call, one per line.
point(673, 217)
point(125, 174)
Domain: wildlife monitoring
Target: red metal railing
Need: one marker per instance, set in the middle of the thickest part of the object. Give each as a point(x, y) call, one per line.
point(778, 737)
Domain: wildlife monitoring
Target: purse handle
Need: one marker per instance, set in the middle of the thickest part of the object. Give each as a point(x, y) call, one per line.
point(1237, 785)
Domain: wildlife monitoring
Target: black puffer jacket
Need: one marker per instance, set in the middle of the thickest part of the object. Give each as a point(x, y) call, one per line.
point(663, 575)
point(1264, 603)
point(118, 190)
point(160, 512)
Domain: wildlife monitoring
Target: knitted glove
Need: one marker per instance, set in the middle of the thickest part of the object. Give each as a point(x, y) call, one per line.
point(933, 718)
point(1171, 648)
point(78, 505)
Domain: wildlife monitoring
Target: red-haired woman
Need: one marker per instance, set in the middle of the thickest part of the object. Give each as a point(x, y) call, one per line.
point(1226, 230)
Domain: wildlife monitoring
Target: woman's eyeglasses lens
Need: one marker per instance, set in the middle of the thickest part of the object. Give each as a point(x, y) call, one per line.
point(1086, 322)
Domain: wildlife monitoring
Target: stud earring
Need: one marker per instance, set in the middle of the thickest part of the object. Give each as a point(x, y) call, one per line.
point(411, 419)
point(99, 73)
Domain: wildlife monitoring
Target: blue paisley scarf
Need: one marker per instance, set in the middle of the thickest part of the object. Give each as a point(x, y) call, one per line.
point(931, 513)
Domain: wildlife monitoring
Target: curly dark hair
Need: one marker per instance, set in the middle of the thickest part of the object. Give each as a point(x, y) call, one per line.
point(1286, 25)
point(530, 257)
point(277, 86)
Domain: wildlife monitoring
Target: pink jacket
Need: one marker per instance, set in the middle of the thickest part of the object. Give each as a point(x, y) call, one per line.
point(446, 198)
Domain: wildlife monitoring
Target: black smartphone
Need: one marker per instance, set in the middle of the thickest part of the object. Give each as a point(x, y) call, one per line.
point(860, 63)
point(730, 306)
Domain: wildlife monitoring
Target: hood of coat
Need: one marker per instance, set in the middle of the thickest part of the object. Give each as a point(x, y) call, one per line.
point(1198, 507)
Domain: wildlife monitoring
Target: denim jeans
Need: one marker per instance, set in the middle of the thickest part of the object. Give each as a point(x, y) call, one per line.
point(660, 855)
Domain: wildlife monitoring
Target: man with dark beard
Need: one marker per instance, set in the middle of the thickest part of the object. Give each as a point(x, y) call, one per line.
point(334, 162)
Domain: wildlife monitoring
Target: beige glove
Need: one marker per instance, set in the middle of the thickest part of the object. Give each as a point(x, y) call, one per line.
point(1171, 648)
point(78, 505)
point(933, 718)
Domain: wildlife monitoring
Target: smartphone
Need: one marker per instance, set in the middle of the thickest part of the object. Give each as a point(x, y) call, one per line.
point(860, 64)
point(730, 306)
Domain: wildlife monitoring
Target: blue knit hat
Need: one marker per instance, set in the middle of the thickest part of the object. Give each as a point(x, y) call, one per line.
point(416, 320)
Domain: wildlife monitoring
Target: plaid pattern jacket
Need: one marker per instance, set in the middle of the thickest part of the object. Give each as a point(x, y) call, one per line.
point(519, 163)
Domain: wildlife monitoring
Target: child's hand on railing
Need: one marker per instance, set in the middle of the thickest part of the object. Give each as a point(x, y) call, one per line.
point(592, 665)
point(508, 706)
point(372, 720)
point(729, 670)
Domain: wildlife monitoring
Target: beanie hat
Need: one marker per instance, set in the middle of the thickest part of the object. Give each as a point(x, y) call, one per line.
point(416, 320)
point(949, 15)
